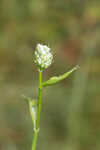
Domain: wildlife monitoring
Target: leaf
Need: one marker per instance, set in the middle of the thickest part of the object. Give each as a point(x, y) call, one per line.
point(28, 99)
point(32, 108)
point(33, 112)
point(56, 79)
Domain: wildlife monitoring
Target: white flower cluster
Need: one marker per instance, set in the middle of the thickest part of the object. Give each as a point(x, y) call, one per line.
point(43, 56)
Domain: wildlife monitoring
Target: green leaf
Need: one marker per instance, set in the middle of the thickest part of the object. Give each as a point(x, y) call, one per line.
point(56, 79)
point(32, 108)
point(29, 99)
point(33, 111)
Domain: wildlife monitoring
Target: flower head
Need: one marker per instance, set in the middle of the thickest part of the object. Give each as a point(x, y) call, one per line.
point(43, 56)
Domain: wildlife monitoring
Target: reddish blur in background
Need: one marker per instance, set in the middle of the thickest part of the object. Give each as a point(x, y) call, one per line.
point(70, 118)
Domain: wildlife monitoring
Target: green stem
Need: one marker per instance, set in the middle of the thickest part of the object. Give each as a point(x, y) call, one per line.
point(36, 130)
point(34, 140)
point(39, 100)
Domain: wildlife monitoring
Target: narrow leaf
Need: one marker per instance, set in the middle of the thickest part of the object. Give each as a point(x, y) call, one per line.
point(33, 112)
point(56, 79)
point(32, 108)
point(28, 99)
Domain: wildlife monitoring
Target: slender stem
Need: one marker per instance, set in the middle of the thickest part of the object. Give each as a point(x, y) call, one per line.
point(39, 100)
point(36, 130)
point(34, 140)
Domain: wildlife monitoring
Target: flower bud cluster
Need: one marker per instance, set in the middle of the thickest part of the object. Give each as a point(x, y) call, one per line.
point(43, 56)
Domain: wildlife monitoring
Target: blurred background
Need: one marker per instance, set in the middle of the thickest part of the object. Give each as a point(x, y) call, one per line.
point(70, 118)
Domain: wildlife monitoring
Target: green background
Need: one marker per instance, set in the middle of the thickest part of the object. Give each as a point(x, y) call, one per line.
point(70, 118)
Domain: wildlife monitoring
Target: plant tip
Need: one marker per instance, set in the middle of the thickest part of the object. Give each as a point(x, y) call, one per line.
point(77, 66)
point(43, 56)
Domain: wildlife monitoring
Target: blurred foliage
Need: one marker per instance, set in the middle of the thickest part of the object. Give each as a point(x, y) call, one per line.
point(70, 118)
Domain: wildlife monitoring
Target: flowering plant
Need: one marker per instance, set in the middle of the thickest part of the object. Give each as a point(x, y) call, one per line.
point(43, 59)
